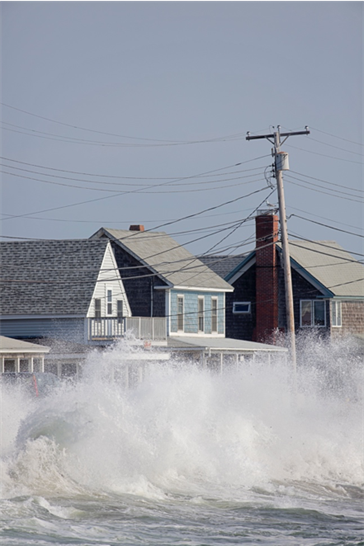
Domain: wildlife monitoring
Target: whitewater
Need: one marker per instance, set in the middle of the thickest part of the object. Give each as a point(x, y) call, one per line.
point(188, 455)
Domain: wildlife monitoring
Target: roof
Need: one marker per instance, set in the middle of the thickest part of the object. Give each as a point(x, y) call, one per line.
point(49, 277)
point(222, 344)
point(9, 345)
point(222, 265)
point(329, 264)
point(169, 260)
point(324, 264)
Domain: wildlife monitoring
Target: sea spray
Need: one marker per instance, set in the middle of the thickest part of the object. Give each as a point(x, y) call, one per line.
point(184, 430)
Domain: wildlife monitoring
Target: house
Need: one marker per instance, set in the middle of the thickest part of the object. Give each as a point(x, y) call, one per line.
point(164, 281)
point(21, 356)
point(327, 282)
point(68, 292)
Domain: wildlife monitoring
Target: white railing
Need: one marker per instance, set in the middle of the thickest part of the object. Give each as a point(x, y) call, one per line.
point(105, 328)
point(153, 328)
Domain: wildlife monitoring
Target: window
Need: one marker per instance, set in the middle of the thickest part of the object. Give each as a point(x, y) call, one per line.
point(119, 307)
point(180, 302)
point(37, 364)
point(241, 307)
point(97, 308)
point(313, 313)
point(201, 314)
point(24, 365)
point(214, 315)
point(9, 365)
point(336, 313)
point(109, 302)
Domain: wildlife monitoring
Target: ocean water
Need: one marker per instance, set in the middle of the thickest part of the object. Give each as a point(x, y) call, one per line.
point(188, 456)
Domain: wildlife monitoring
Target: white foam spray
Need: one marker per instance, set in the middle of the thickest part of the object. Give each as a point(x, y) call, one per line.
point(187, 430)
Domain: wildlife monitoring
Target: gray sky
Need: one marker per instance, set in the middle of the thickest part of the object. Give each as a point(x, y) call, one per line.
point(122, 113)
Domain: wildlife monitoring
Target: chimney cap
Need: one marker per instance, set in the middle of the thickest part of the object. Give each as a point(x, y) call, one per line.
point(136, 227)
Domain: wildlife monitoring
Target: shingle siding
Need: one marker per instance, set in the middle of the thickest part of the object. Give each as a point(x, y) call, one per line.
point(72, 330)
point(242, 326)
point(139, 285)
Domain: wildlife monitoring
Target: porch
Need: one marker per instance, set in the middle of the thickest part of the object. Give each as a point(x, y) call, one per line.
point(110, 328)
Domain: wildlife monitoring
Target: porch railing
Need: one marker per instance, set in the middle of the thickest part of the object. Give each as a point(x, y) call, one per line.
point(108, 328)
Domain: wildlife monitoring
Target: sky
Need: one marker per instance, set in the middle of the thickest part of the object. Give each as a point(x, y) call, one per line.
point(120, 113)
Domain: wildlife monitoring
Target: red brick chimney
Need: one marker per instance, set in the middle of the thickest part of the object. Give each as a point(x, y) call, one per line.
point(266, 227)
point(136, 227)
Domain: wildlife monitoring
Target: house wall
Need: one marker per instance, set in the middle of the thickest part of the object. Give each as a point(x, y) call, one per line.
point(143, 299)
point(352, 319)
point(107, 280)
point(70, 329)
point(241, 326)
point(191, 311)
point(302, 290)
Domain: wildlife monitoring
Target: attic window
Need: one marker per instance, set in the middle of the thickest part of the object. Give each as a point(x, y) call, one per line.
point(241, 307)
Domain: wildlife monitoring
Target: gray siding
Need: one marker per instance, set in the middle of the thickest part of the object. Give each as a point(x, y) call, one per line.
point(63, 329)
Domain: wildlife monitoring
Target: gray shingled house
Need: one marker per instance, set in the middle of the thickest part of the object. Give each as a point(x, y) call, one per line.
point(165, 282)
point(68, 291)
point(328, 287)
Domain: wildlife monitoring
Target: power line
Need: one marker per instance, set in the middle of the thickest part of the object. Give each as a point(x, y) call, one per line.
point(327, 182)
point(209, 173)
point(162, 142)
point(325, 155)
point(327, 226)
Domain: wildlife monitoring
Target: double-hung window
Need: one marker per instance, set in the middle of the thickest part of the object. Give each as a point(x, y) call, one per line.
point(119, 310)
point(336, 313)
point(97, 308)
point(313, 313)
point(109, 301)
point(180, 310)
point(214, 315)
point(201, 322)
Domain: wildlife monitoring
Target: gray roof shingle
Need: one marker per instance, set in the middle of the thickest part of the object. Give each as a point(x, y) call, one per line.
point(171, 261)
point(222, 264)
point(50, 277)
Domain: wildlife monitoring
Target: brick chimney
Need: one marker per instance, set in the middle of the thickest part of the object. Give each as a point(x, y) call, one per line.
point(266, 227)
point(136, 227)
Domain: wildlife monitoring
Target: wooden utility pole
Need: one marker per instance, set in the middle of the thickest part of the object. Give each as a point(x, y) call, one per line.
point(281, 164)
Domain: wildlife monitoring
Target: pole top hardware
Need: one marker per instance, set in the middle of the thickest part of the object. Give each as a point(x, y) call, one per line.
point(271, 135)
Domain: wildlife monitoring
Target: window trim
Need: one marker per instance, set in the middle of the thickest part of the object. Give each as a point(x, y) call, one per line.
point(248, 303)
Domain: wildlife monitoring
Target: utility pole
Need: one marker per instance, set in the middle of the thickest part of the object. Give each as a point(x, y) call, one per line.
point(281, 164)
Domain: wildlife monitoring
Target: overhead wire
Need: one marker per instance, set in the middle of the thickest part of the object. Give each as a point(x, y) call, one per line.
point(160, 142)
point(327, 226)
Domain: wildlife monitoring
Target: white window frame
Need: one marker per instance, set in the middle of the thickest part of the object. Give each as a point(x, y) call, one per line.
point(180, 316)
point(214, 315)
point(336, 314)
point(109, 302)
point(312, 311)
point(201, 314)
point(237, 312)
